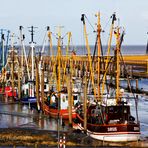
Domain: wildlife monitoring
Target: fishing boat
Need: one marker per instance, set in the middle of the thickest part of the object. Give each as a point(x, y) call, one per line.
point(61, 99)
point(109, 118)
point(9, 72)
point(59, 107)
point(27, 93)
point(28, 82)
point(8, 92)
point(112, 122)
point(3, 47)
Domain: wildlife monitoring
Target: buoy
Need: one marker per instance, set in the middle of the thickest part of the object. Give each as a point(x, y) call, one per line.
point(61, 142)
point(64, 141)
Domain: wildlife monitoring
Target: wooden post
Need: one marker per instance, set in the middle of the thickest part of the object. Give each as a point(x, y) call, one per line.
point(69, 87)
point(128, 85)
point(131, 71)
point(42, 85)
point(147, 66)
point(37, 86)
point(19, 83)
point(3, 80)
point(136, 103)
point(136, 84)
point(85, 103)
point(122, 70)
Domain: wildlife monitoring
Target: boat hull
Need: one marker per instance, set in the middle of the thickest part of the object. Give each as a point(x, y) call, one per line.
point(28, 100)
point(110, 132)
point(8, 92)
point(112, 136)
point(116, 137)
point(53, 112)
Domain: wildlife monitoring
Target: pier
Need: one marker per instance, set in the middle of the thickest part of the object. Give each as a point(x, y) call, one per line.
point(136, 65)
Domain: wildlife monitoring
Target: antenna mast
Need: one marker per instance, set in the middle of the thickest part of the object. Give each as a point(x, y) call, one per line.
point(32, 49)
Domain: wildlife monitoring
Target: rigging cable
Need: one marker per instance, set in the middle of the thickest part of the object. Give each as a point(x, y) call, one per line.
point(90, 23)
point(135, 98)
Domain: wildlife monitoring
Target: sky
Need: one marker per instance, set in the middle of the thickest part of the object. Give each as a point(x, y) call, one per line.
point(132, 14)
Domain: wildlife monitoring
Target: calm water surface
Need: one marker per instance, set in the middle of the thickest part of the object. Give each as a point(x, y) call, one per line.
point(18, 115)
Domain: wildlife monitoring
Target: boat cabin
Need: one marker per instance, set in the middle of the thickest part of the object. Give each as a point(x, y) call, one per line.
point(53, 100)
point(109, 114)
point(28, 89)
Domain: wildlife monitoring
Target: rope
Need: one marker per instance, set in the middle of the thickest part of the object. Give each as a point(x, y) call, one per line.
point(103, 30)
point(83, 40)
point(90, 23)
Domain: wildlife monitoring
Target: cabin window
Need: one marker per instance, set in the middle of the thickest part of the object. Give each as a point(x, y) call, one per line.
point(63, 99)
point(111, 109)
point(74, 97)
point(66, 98)
point(27, 92)
point(44, 86)
point(92, 112)
point(125, 110)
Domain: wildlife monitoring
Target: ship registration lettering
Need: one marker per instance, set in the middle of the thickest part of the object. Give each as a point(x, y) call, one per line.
point(136, 128)
point(112, 129)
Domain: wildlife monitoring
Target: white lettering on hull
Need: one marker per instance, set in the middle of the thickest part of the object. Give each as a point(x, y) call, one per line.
point(136, 128)
point(112, 129)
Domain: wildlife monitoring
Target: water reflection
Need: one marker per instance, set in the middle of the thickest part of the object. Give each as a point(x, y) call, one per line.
point(20, 116)
point(142, 84)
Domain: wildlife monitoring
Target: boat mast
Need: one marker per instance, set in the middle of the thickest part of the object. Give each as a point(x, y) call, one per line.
point(32, 49)
point(59, 59)
point(89, 53)
point(99, 52)
point(44, 40)
point(59, 78)
point(3, 54)
point(3, 48)
point(31, 85)
point(41, 61)
point(67, 49)
point(22, 37)
point(50, 52)
point(85, 103)
point(12, 65)
point(108, 50)
point(6, 47)
point(117, 50)
point(66, 60)
point(22, 53)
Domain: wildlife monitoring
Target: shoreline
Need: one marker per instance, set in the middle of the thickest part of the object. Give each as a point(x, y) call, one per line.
point(29, 137)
